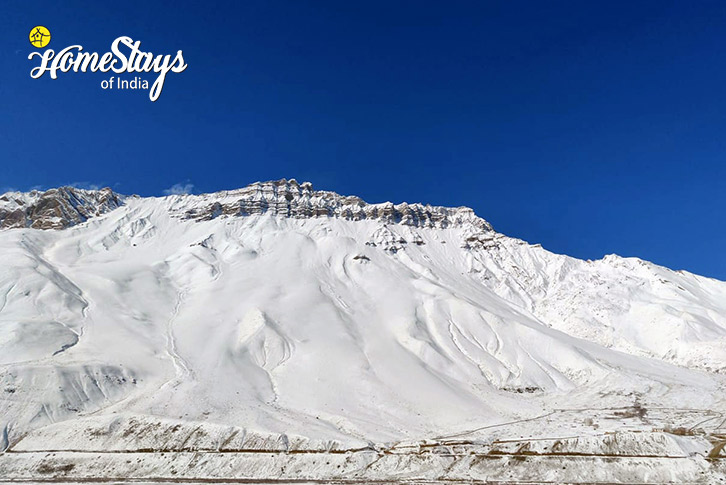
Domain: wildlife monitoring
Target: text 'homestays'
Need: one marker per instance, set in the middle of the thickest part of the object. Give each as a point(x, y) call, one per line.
point(125, 57)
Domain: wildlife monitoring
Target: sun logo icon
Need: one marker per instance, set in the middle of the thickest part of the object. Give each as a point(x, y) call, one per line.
point(39, 36)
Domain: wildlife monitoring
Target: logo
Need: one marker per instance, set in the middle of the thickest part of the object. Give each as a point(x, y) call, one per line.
point(39, 36)
point(124, 57)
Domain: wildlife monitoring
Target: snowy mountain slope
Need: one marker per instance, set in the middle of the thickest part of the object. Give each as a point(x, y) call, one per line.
point(289, 317)
point(622, 303)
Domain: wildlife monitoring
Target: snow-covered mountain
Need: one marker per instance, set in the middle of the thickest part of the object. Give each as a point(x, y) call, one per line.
point(278, 317)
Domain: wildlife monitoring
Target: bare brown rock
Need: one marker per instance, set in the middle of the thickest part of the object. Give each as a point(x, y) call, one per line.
point(55, 208)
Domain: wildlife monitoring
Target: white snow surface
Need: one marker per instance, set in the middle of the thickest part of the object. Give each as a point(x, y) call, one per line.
point(341, 330)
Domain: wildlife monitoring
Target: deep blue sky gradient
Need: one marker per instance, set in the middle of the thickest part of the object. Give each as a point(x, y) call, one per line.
point(590, 127)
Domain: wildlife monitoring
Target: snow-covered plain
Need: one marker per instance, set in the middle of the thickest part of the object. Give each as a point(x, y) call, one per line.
point(351, 341)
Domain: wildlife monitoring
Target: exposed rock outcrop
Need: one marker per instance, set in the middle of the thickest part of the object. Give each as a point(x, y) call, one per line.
point(299, 200)
point(55, 208)
point(67, 206)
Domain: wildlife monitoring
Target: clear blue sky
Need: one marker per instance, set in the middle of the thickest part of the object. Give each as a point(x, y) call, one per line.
point(590, 127)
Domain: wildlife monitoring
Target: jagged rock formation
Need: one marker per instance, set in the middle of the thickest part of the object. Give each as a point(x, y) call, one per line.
point(68, 206)
point(298, 200)
point(55, 208)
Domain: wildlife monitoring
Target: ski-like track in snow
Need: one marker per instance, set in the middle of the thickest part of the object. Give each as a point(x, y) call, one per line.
point(181, 368)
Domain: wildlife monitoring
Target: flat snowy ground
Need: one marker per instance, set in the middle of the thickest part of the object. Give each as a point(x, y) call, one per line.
point(142, 346)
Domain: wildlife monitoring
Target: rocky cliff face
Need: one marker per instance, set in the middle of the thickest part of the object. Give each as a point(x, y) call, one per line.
point(67, 206)
point(298, 200)
point(56, 208)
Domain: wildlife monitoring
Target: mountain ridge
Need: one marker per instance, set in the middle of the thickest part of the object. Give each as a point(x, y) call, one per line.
point(67, 206)
point(55, 208)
